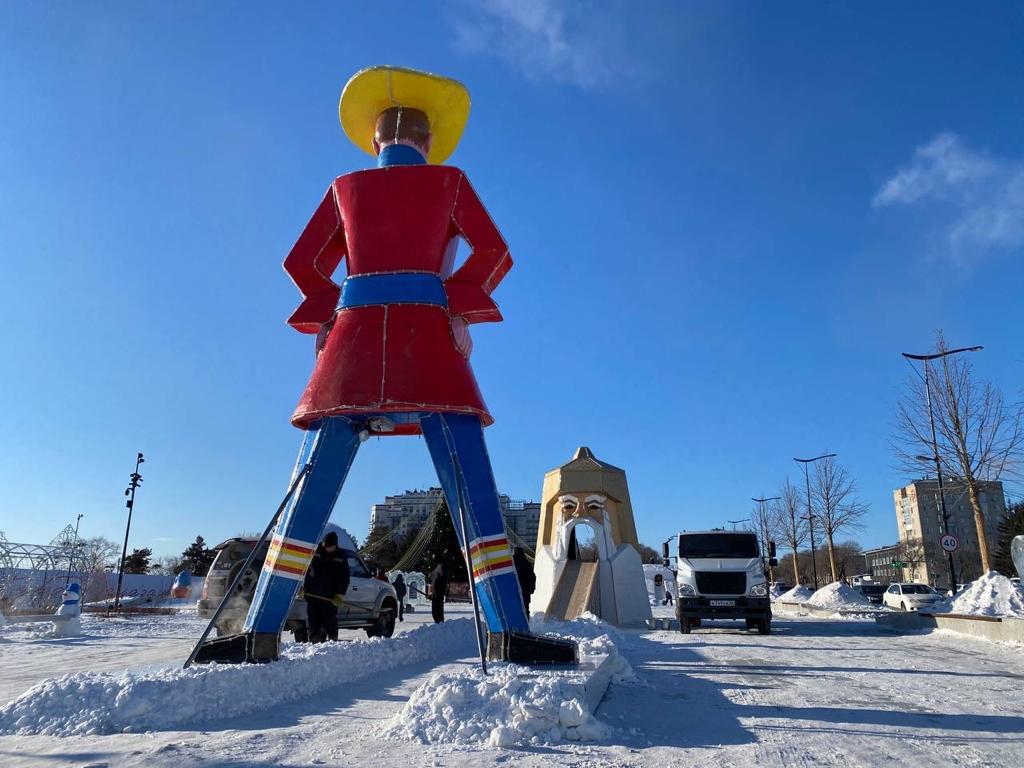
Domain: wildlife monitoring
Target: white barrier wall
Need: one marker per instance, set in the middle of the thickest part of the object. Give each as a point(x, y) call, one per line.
point(21, 588)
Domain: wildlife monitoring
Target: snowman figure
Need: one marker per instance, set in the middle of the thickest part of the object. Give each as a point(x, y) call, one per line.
point(659, 589)
point(72, 608)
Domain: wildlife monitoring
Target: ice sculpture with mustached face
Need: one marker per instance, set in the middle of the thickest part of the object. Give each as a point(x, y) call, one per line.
point(590, 493)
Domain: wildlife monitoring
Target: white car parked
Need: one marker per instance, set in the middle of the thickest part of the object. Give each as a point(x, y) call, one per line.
point(910, 597)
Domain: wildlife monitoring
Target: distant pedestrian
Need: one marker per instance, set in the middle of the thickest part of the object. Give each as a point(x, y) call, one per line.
point(325, 585)
point(669, 600)
point(438, 590)
point(527, 578)
point(399, 585)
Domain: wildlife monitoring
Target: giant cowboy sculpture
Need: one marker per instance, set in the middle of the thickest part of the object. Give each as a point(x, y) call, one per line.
point(393, 346)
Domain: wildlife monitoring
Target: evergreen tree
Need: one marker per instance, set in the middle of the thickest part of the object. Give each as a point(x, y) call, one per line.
point(444, 545)
point(1012, 525)
point(196, 558)
point(138, 561)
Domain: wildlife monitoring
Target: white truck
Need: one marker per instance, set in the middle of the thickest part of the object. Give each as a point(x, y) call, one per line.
point(721, 575)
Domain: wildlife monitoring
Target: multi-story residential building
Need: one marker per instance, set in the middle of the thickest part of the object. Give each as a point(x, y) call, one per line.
point(879, 563)
point(521, 518)
point(408, 511)
point(918, 518)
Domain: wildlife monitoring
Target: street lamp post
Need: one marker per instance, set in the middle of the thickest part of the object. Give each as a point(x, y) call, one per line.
point(935, 444)
point(74, 549)
point(810, 509)
point(764, 532)
point(735, 522)
point(135, 478)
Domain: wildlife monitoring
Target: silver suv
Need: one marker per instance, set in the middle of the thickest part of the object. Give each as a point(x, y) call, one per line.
point(370, 604)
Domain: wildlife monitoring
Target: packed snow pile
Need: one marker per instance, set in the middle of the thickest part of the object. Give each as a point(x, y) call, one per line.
point(87, 703)
point(991, 595)
point(513, 705)
point(838, 596)
point(798, 594)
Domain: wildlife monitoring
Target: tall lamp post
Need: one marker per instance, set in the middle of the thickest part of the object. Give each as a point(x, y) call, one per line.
point(74, 549)
point(764, 530)
point(810, 509)
point(935, 444)
point(135, 479)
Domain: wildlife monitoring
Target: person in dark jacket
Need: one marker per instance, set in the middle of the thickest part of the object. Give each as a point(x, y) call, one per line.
point(438, 590)
point(326, 583)
point(399, 585)
point(526, 576)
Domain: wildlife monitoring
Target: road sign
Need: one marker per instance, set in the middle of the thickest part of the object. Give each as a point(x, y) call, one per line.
point(897, 564)
point(949, 542)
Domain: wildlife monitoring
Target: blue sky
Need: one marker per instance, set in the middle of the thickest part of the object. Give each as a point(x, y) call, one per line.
point(728, 220)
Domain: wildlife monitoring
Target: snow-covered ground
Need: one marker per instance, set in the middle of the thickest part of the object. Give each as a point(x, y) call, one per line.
point(815, 692)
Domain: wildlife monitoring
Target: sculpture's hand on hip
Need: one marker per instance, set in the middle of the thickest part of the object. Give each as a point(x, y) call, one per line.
point(460, 332)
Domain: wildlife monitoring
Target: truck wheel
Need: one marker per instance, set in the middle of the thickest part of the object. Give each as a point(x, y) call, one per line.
point(301, 634)
point(385, 624)
point(764, 626)
point(751, 623)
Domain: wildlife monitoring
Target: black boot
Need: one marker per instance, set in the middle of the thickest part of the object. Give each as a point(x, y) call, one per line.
point(246, 648)
point(526, 648)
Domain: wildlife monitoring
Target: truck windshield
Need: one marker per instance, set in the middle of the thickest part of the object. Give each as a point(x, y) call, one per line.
point(720, 545)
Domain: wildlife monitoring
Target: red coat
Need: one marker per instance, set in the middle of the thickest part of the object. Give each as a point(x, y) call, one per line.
point(398, 357)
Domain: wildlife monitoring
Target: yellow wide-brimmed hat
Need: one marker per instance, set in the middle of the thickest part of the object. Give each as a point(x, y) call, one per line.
point(374, 89)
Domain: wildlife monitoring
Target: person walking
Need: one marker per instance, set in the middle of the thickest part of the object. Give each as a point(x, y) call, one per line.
point(527, 578)
point(399, 585)
point(325, 585)
point(438, 590)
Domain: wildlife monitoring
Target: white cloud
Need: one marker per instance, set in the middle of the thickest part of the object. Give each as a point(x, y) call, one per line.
point(572, 42)
point(979, 199)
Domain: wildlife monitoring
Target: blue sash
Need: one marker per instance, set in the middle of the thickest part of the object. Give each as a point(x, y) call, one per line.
point(395, 288)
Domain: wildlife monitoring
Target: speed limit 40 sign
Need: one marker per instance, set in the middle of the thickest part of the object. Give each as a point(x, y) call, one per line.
point(949, 542)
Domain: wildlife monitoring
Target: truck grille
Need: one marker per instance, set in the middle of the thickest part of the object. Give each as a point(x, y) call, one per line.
point(721, 582)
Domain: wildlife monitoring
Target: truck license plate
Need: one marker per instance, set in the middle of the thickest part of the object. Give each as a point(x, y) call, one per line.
point(722, 603)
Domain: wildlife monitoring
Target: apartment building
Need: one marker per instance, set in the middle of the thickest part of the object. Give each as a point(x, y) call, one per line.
point(410, 510)
point(918, 517)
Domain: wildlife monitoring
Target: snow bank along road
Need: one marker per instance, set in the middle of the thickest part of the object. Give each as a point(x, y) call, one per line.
point(815, 692)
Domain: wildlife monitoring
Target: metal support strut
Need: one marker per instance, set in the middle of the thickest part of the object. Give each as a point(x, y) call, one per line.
point(481, 648)
point(245, 566)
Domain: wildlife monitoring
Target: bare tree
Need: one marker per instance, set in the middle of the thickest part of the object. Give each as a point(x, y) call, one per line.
point(792, 526)
point(912, 553)
point(849, 559)
point(765, 520)
point(167, 565)
point(838, 506)
point(978, 437)
point(97, 554)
